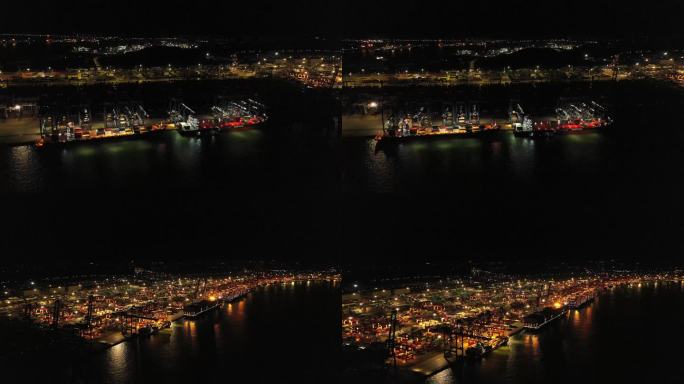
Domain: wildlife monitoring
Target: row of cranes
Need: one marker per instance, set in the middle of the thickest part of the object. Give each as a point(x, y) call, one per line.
point(471, 336)
point(183, 117)
point(60, 124)
point(229, 113)
point(95, 318)
point(474, 336)
point(127, 116)
point(231, 108)
point(570, 116)
point(449, 116)
point(580, 111)
point(64, 313)
point(225, 114)
point(520, 122)
point(63, 124)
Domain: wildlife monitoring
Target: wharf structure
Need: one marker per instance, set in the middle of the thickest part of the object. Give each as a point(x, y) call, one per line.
point(426, 326)
point(111, 310)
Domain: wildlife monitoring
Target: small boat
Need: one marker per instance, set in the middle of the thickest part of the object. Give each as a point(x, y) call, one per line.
point(190, 127)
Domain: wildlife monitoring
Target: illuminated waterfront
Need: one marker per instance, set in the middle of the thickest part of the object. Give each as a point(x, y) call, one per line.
point(109, 310)
point(626, 335)
point(504, 197)
point(588, 339)
point(244, 336)
point(438, 321)
point(326, 192)
point(278, 332)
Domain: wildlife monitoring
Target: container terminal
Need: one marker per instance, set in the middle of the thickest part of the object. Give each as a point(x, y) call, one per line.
point(64, 125)
point(426, 325)
point(226, 114)
point(105, 312)
point(463, 119)
point(572, 116)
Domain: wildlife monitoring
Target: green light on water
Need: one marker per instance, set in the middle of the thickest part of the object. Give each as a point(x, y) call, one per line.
point(85, 151)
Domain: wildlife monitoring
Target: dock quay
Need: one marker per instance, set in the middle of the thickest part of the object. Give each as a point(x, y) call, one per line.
point(463, 119)
point(199, 308)
point(536, 321)
point(427, 325)
point(104, 312)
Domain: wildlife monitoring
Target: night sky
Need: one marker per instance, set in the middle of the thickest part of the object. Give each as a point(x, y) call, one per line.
point(561, 18)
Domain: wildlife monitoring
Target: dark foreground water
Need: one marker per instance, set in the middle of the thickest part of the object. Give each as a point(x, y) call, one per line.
point(628, 335)
point(251, 194)
point(610, 194)
point(280, 333)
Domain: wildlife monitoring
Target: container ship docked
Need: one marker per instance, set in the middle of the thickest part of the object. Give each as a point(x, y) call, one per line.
point(129, 121)
point(225, 116)
point(464, 123)
point(239, 114)
point(537, 320)
point(201, 307)
point(578, 300)
point(119, 122)
point(571, 117)
point(481, 349)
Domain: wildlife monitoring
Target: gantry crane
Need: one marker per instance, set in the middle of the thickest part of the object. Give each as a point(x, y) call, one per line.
point(391, 338)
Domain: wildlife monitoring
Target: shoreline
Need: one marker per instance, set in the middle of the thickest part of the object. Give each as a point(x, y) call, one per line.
point(435, 362)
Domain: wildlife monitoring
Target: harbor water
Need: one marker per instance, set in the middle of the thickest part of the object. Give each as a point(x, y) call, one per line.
point(627, 335)
point(278, 333)
point(611, 194)
point(166, 196)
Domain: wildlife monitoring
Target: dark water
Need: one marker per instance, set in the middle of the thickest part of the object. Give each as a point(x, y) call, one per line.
point(252, 194)
point(296, 188)
point(613, 194)
point(169, 197)
point(628, 335)
point(284, 333)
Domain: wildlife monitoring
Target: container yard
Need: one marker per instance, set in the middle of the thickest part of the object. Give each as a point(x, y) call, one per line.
point(64, 125)
point(463, 119)
point(226, 114)
point(425, 327)
point(111, 310)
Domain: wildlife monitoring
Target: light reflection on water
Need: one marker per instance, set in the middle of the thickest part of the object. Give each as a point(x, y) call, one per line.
point(23, 170)
point(596, 344)
point(438, 162)
point(117, 359)
point(129, 163)
point(235, 338)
